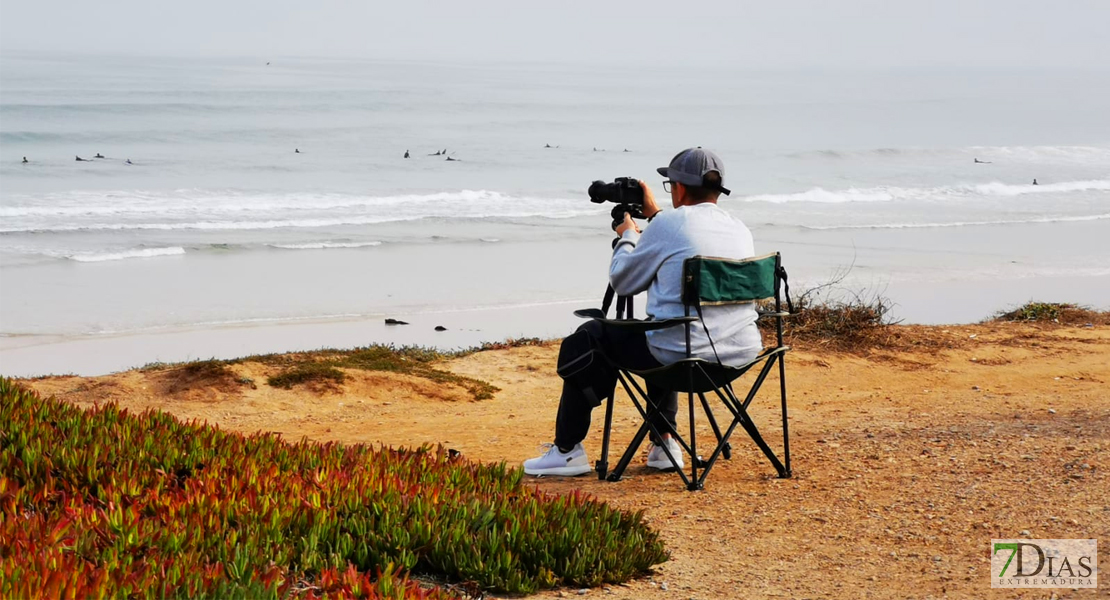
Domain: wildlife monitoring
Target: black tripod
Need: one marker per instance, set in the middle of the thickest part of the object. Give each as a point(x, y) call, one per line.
point(624, 303)
point(624, 311)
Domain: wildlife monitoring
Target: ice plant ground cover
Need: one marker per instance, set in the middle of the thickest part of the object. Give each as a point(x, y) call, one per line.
point(104, 503)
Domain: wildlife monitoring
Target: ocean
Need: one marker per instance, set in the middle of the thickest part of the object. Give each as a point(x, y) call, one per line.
point(236, 193)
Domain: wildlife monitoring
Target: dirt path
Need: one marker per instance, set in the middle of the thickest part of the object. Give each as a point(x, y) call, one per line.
point(906, 463)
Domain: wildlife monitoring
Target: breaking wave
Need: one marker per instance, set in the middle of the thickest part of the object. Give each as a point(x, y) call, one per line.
point(964, 223)
point(1075, 155)
point(324, 245)
point(965, 191)
point(125, 254)
point(228, 210)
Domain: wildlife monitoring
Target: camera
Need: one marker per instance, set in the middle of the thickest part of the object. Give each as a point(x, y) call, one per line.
point(625, 192)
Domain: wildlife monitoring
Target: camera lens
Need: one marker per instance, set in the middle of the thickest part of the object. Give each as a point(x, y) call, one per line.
point(597, 192)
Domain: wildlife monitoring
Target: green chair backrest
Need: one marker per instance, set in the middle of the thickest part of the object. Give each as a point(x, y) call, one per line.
point(709, 281)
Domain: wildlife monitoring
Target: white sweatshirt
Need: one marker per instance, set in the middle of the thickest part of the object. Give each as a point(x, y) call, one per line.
point(652, 261)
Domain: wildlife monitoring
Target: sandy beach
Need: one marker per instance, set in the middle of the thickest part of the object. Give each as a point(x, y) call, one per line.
point(907, 460)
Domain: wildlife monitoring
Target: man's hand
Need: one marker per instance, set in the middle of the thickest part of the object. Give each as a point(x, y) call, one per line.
point(650, 207)
point(626, 225)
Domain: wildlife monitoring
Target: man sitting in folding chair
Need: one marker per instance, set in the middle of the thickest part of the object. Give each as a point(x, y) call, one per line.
point(653, 261)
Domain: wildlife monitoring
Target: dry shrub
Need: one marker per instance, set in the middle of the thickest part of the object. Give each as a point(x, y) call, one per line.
point(511, 343)
point(205, 374)
point(320, 370)
point(1053, 312)
point(317, 376)
point(854, 322)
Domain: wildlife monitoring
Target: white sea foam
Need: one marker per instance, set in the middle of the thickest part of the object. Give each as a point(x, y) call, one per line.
point(825, 196)
point(133, 253)
point(277, 224)
point(207, 225)
point(1081, 155)
point(1047, 155)
point(83, 203)
point(200, 210)
point(1002, 189)
point(1071, 219)
point(325, 245)
point(968, 191)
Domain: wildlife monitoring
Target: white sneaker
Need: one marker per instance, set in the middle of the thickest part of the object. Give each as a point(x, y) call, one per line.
point(657, 458)
point(554, 462)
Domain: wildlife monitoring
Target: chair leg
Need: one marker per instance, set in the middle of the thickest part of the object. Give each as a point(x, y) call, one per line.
point(742, 417)
point(649, 411)
point(749, 426)
point(602, 465)
point(785, 426)
point(629, 453)
point(727, 447)
point(622, 464)
point(717, 452)
point(693, 484)
point(647, 415)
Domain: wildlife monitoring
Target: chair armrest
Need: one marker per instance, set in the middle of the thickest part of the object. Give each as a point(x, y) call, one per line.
point(633, 324)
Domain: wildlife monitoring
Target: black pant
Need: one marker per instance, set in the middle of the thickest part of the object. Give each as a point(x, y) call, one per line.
point(629, 350)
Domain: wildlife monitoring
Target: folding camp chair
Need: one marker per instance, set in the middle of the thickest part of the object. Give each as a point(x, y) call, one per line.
point(707, 282)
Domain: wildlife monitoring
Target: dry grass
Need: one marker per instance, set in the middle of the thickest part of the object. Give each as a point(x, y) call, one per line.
point(207, 374)
point(855, 322)
point(316, 375)
point(509, 343)
point(860, 322)
point(1052, 312)
point(416, 361)
point(320, 370)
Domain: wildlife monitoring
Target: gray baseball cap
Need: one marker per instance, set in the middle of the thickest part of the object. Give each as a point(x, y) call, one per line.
point(690, 166)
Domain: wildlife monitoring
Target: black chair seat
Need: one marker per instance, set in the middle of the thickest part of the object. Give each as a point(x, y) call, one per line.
point(706, 375)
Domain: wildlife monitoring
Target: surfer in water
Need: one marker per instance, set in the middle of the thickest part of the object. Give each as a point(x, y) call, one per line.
point(25, 161)
point(406, 153)
point(296, 150)
point(981, 162)
point(99, 155)
point(129, 162)
point(453, 159)
point(1034, 182)
point(436, 153)
point(79, 159)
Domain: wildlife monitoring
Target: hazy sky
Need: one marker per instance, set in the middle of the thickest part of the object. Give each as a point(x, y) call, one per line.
point(753, 34)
